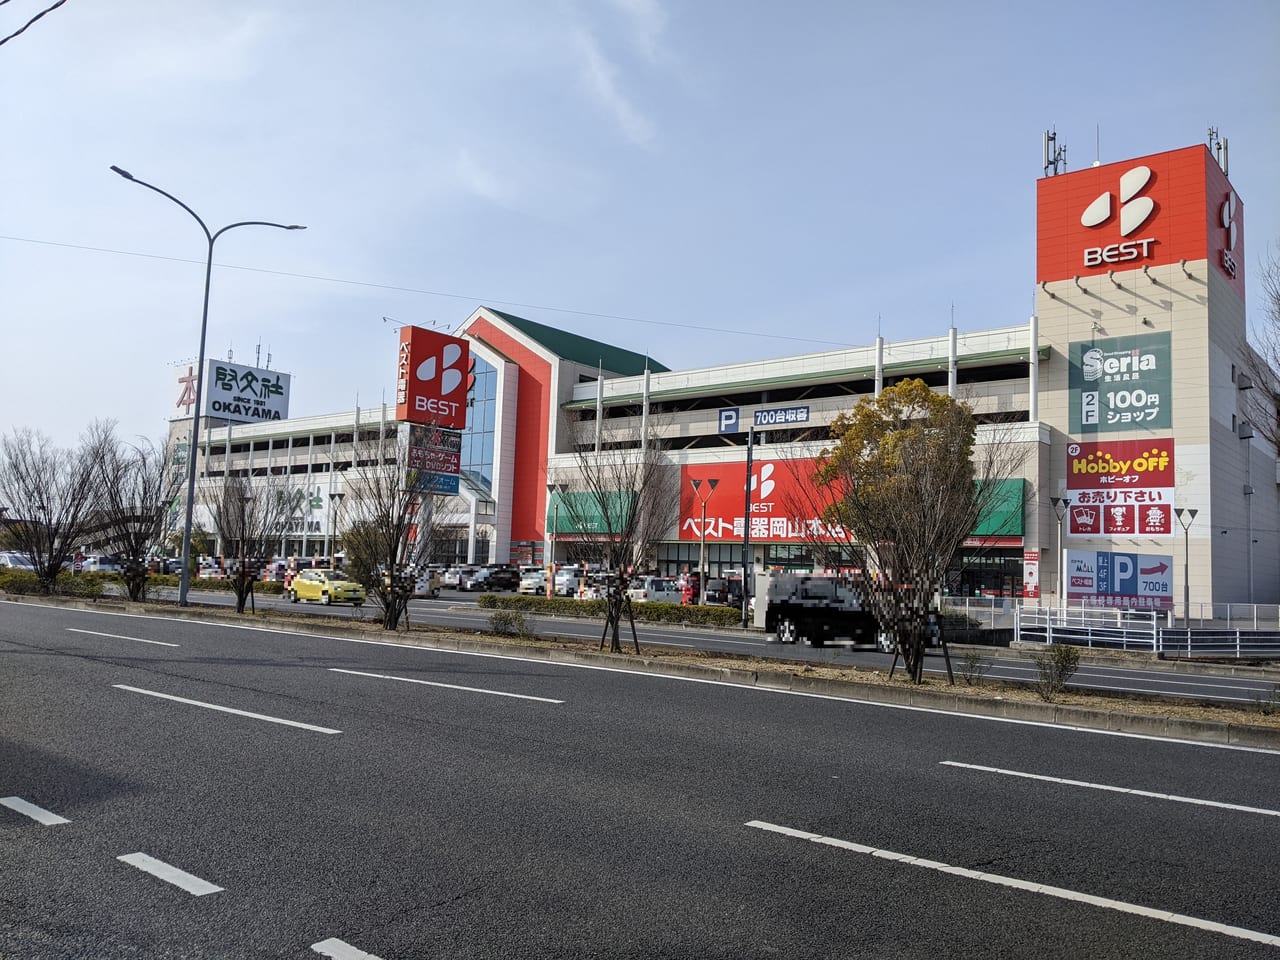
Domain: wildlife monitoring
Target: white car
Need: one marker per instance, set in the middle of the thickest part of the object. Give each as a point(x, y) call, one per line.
point(13, 560)
point(534, 583)
point(654, 590)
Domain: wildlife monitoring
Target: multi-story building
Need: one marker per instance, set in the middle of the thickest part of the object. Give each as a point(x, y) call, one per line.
point(1128, 392)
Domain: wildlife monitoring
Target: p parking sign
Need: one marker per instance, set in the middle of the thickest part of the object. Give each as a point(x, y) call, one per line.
point(729, 420)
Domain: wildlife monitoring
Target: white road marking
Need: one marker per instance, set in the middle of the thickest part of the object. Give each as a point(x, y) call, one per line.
point(447, 686)
point(116, 636)
point(1066, 728)
point(39, 814)
point(1113, 789)
point(339, 950)
point(214, 706)
point(179, 878)
point(1061, 893)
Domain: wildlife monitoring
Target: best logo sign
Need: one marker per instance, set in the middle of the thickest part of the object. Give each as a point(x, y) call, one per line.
point(431, 378)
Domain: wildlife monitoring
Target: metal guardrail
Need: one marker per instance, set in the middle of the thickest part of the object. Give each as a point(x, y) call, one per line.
point(1141, 630)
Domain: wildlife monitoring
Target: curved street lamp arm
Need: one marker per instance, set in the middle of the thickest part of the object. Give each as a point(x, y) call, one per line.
point(164, 193)
point(255, 223)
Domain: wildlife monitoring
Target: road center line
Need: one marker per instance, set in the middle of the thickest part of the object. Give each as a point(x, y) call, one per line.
point(39, 814)
point(214, 706)
point(1061, 893)
point(340, 950)
point(116, 636)
point(170, 874)
point(1113, 789)
point(447, 686)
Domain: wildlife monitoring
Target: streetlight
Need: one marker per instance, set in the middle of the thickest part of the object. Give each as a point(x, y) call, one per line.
point(554, 489)
point(746, 534)
point(1060, 506)
point(335, 503)
point(1186, 559)
point(184, 583)
point(702, 552)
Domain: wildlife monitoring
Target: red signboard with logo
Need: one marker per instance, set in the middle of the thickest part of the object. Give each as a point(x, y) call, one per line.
point(431, 378)
point(1149, 211)
point(785, 505)
point(1121, 488)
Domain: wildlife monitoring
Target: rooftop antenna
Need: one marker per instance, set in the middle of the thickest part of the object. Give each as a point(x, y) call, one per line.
point(1054, 155)
point(1097, 144)
point(1218, 147)
point(257, 354)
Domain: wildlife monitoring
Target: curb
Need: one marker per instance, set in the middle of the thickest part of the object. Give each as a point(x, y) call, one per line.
point(1065, 715)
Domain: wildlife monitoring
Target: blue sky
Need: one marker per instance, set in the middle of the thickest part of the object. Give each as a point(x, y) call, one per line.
point(715, 181)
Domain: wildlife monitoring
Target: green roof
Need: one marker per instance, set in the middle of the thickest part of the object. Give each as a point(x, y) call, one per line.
point(583, 350)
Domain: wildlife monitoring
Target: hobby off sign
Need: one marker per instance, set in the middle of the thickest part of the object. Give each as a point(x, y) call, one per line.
point(1121, 488)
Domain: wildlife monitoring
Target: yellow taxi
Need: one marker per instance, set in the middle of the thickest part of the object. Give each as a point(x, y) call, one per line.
point(327, 586)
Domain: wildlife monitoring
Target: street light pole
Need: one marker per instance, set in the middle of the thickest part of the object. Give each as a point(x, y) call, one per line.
point(1061, 505)
point(746, 534)
point(1186, 560)
point(184, 584)
point(702, 552)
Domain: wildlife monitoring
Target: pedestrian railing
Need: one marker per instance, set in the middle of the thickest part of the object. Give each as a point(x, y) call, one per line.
point(1141, 630)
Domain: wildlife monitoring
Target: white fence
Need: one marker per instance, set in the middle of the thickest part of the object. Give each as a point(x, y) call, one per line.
point(1149, 630)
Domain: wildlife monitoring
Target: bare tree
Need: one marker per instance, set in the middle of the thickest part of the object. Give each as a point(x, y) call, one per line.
point(622, 502)
point(136, 487)
point(23, 29)
point(903, 488)
point(390, 516)
point(1260, 362)
point(252, 515)
point(50, 495)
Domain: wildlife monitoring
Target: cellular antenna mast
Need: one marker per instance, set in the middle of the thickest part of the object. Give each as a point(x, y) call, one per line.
point(1054, 155)
point(1218, 147)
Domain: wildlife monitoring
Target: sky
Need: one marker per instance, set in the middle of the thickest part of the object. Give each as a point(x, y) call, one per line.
point(705, 182)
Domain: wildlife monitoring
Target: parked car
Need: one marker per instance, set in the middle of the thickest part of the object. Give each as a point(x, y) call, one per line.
point(476, 578)
point(13, 560)
point(427, 584)
point(654, 590)
point(100, 564)
point(454, 575)
point(534, 582)
point(502, 578)
point(567, 581)
point(326, 586)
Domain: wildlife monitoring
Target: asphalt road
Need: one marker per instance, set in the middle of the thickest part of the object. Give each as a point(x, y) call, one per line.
point(353, 799)
point(458, 609)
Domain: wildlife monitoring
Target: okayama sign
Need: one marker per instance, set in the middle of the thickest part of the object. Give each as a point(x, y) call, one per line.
point(1121, 383)
point(240, 394)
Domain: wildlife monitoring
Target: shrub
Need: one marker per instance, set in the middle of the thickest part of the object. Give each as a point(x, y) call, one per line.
point(1055, 667)
point(19, 581)
point(509, 623)
point(595, 609)
point(1268, 702)
point(973, 668)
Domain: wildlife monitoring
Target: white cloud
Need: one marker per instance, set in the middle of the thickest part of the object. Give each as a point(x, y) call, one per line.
point(601, 77)
point(648, 20)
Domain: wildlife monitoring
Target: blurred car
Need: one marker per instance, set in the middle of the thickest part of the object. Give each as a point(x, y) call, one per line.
point(454, 575)
point(326, 586)
point(427, 584)
point(534, 582)
point(13, 560)
point(502, 578)
point(654, 590)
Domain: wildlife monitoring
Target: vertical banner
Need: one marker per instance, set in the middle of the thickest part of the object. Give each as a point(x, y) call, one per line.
point(1031, 574)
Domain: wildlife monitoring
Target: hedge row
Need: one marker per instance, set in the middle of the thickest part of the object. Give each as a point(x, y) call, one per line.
point(67, 584)
point(595, 609)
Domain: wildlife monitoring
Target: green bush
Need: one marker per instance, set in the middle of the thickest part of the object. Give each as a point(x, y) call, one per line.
point(595, 609)
point(509, 623)
point(1055, 666)
point(18, 581)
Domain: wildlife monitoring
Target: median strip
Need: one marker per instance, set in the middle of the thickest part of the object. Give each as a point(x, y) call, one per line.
point(220, 709)
point(447, 686)
point(1113, 789)
point(169, 874)
point(1241, 933)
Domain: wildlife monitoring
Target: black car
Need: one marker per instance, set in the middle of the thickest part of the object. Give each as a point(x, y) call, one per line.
point(502, 578)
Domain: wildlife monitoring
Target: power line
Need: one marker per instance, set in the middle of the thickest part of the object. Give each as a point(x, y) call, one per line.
point(429, 293)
